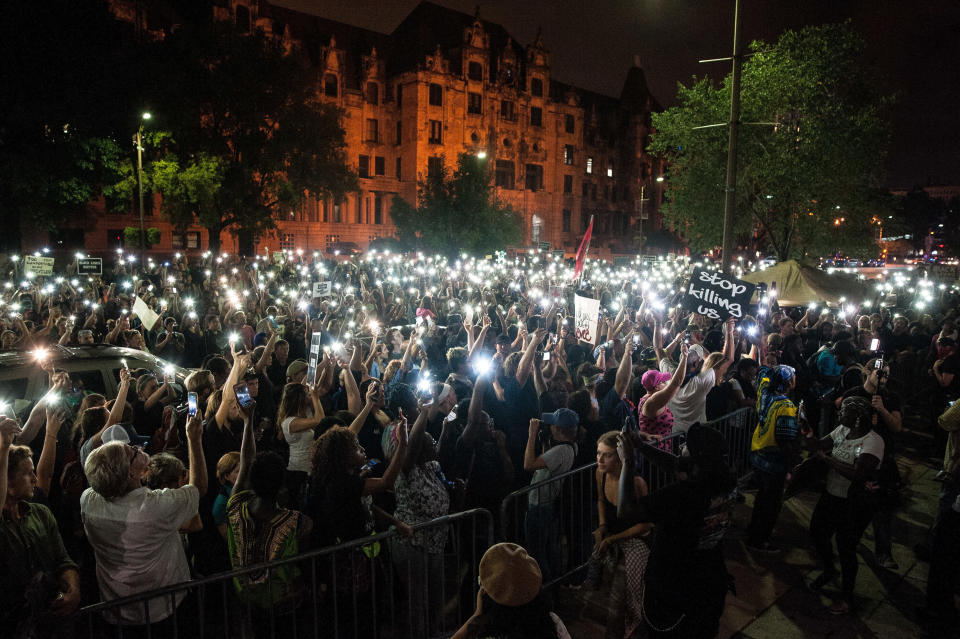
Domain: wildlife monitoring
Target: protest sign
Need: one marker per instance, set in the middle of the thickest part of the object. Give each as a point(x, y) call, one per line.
point(90, 266)
point(314, 358)
point(543, 246)
point(716, 295)
point(279, 257)
point(322, 289)
point(586, 318)
point(145, 313)
point(42, 266)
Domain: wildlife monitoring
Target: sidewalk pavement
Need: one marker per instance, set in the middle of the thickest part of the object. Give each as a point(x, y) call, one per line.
point(772, 600)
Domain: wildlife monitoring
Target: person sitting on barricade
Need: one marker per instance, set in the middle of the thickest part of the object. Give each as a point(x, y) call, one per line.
point(686, 580)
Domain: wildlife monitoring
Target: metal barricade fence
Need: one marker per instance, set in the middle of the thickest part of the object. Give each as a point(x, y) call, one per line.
point(555, 519)
point(377, 586)
point(737, 430)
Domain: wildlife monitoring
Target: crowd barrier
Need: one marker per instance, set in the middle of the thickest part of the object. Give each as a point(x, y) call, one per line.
point(737, 430)
point(371, 587)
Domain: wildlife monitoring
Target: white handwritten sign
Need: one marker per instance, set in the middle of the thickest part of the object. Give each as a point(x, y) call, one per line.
point(716, 295)
point(42, 266)
point(586, 318)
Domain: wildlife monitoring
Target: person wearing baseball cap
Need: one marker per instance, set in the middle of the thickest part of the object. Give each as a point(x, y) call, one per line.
point(654, 417)
point(541, 520)
point(509, 603)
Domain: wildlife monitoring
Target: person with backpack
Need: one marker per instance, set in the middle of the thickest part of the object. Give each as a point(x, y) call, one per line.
point(771, 452)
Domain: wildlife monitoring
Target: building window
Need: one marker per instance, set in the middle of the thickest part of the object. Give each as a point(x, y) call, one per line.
point(434, 166)
point(504, 174)
point(372, 131)
point(536, 87)
point(377, 209)
point(568, 154)
point(568, 184)
point(474, 103)
point(613, 194)
point(323, 211)
point(193, 239)
point(288, 242)
point(610, 169)
point(436, 132)
point(508, 111)
point(586, 189)
point(243, 19)
point(331, 85)
point(363, 166)
point(399, 173)
point(332, 239)
point(399, 133)
point(337, 213)
point(606, 192)
point(372, 93)
point(436, 95)
point(536, 116)
point(358, 214)
point(379, 165)
point(115, 238)
point(534, 177)
point(589, 165)
point(399, 95)
point(593, 192)
point(475, 71)
point(570, 124)
point(566, 220)
point(584, 221)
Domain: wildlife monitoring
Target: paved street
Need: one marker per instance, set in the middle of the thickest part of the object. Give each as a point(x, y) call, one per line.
point(772, 601)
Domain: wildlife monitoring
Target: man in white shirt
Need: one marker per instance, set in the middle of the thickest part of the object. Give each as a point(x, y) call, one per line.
point(689, 404)
point(134, 531)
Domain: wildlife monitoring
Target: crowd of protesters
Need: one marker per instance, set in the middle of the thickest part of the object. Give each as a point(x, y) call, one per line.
point(403, 388)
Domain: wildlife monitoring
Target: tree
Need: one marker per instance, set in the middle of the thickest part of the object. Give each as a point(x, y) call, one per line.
point(243, 135)
point(808, 185)
point(64, 107)
point(131, 236)
point(457, 213)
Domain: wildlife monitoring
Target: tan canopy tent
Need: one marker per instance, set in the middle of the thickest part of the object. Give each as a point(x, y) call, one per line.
point(798, 285)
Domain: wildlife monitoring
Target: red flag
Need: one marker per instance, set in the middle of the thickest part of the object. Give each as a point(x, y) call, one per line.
point(582, 251)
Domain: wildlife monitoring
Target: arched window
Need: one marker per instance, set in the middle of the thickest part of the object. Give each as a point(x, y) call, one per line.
point(243, 18)
point(331, 86)
point(373, 93)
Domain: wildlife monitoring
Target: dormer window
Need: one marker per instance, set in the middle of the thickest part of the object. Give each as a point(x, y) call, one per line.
point(536, 87)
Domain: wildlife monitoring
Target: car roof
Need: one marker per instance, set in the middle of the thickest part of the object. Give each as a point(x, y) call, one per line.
point(58, 353)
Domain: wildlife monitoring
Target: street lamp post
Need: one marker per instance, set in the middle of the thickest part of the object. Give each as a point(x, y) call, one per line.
point(138, 141)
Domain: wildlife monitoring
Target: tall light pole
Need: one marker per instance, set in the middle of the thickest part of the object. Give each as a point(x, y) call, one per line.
point(138, 141)
point(729, 203)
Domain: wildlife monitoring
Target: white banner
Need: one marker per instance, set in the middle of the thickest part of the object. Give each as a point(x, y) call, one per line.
point(586, 318)
point(145, 313)
point(41, 266)
point(322, 289)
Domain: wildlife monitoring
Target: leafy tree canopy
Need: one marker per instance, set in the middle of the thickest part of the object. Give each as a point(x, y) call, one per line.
point(241, 133)
point(457, 213)
point(808, 184)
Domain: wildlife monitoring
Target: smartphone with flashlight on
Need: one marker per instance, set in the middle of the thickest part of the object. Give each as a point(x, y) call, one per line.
point(874, 344)
point(243, 395)
point(192, 404)
point(546, 356)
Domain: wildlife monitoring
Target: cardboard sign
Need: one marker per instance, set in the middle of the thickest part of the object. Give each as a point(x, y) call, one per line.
point(586, 318)
point(716, 295)
point(38, 265)
point(313, 360)
point(145, 313)
point(90, 266)
point(322, 289)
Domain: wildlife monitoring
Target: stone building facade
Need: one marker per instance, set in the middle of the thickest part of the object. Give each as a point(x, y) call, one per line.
point(444, 83)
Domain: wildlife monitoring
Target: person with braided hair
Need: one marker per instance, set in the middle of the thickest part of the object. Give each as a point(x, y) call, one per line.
point(853, 453)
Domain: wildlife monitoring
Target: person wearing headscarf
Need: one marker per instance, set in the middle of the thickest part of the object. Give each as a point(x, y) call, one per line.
point(772, 452)
point(853, 453)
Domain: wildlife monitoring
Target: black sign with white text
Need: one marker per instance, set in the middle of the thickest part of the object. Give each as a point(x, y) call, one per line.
point(90, 266)
point(716, 295)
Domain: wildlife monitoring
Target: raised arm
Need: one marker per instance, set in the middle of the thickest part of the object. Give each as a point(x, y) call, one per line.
point(198, 465)
point(729, 348)
point(525, 367)
point(373, 485)
point(228, 398)
point(48, 456)
point(659, 399)
point(625, 371)
point(248, 450)
point(353, 391)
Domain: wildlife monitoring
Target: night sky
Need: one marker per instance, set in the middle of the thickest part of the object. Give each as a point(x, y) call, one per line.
point(916, 46)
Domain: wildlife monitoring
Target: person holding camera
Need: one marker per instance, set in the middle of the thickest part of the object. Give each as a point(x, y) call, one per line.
point(887, 420)
point(541, 520)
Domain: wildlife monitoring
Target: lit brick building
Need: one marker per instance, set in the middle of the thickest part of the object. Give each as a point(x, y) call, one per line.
point(444, 83)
